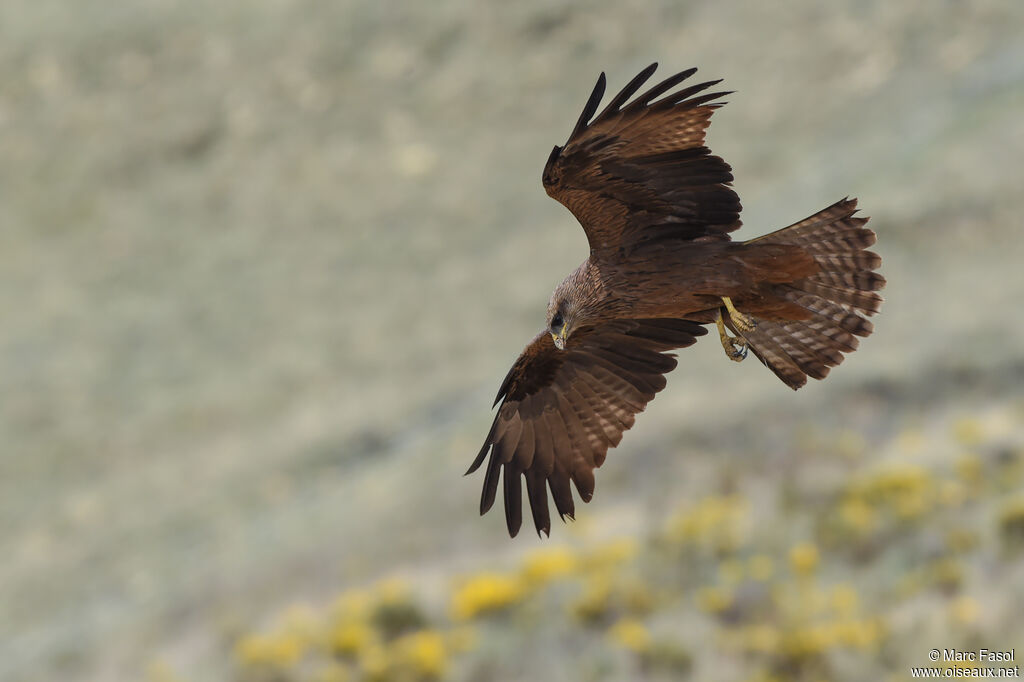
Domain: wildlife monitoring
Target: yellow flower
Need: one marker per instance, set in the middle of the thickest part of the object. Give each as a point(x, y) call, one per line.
point(596, 600)
point(858, 633)
point(968, 431)
point(730, 571)
point(302, 622)
point(350, 638)
point(424, 653)
point(850, 444)
point(714, 599)
point(857, 515)
point(1011, 521)
point(374, 664)
point(844, 599)
point(715, 523)
point(611, 554)
point(352, 604)
point(911, 442)
point(951, 493)
point(486, 593)
point(965, 610)
point(278, 651)
point(391, 590)
point(968, 468)
point(805, 642)
point(803, 558)
point(911, 505)
point(543, 566)
point(332, 672)
point(635, 596)
point(763, 639)
point(946, 573)
point(961, 540)
point(462, 639)
point(159, 670)
point(631, 634)
point(761, 567)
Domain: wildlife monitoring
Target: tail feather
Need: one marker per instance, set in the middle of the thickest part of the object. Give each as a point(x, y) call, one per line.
point(836, 299)
point(865, 301)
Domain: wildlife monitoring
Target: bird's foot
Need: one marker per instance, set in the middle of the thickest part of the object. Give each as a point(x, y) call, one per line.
point(735, 347)
point(743, 323)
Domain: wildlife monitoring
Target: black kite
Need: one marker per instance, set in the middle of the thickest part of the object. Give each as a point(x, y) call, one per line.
point(657, 208)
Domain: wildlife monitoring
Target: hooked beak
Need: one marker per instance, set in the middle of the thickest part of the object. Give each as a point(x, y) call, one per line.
point(559, 339)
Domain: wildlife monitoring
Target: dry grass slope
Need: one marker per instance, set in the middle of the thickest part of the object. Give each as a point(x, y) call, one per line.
point(263, 263)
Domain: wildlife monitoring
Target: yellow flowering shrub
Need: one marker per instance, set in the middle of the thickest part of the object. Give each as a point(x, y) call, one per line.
point(271, 651)
point(543, 566)
point(595, 603)
point(610, 554)
point(893, 483)
point(1011, 523)
point(761, 567)
point(714, 600)
point(486, 593)
point(349, 639)
point(965, 610)
point(630, 634)
point(424, 654)
point(715, 524)
point(804, 558)
point(890, 545)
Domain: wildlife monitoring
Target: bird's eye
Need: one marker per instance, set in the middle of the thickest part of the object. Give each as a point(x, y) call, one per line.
point(557, 321)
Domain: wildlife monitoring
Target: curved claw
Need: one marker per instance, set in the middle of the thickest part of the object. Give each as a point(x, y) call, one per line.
point(735, 346)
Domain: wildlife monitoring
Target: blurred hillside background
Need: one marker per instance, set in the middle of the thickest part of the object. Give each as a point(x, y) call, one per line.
point(263, 265)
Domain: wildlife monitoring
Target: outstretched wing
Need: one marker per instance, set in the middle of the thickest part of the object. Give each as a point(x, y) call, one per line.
point(562, 410)
point(639, 173)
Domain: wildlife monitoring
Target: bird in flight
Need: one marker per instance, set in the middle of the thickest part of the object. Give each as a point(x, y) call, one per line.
point(657, 208)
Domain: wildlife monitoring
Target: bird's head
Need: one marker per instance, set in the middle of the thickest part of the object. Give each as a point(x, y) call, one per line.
point(561, 315)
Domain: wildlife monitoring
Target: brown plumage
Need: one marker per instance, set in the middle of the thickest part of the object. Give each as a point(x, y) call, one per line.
point(657, 208)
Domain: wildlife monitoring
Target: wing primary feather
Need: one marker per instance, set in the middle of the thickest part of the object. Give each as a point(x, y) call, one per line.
point(544, 448)
point(483, 451)
point(591, 107)
point(584, 481)
point(661, 88)
point(537, 491)
point(681, 95)
point(703, 99)
point(490, 485)
point(629, 90)
point(526, 446)
point(561, 493)
point(513, 499)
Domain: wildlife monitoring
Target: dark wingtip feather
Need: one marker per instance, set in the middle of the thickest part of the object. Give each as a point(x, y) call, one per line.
point(661, 88)
point(480, 455)
point(591, 107)
point(707, 99)
point(513, 499)
point(629, 90)
point(490, 489)
point(483, 451)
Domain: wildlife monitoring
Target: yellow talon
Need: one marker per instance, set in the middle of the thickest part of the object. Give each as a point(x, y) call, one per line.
point(743, 323)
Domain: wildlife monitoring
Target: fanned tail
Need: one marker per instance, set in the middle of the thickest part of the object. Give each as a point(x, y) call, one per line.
point(834, 302)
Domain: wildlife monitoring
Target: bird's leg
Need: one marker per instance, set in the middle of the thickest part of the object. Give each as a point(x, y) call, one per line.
point(735, 347)
point(744, 323)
